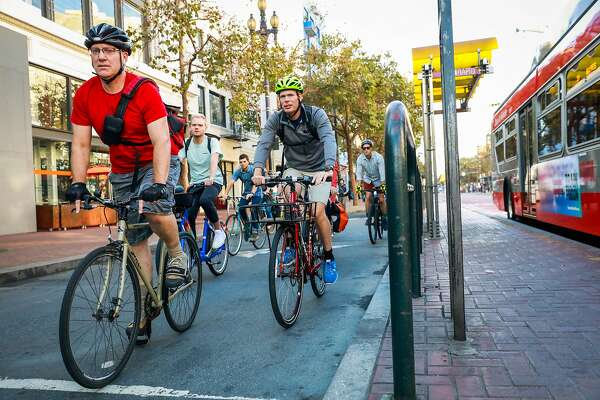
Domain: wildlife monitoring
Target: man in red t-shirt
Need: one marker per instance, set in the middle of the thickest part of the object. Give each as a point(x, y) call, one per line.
point(143, 163)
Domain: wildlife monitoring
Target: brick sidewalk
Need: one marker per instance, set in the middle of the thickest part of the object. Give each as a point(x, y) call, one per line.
point(532, 310)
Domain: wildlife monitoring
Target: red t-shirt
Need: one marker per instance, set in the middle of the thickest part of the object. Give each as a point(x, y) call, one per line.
point(91, 104)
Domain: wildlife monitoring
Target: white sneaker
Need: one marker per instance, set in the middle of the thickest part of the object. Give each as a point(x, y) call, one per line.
point(219, 239)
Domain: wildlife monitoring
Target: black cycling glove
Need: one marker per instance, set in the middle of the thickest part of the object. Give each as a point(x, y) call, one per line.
point(155, 192)
point(77, 191)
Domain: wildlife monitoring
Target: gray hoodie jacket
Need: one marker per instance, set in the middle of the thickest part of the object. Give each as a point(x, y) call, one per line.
point(301, 150)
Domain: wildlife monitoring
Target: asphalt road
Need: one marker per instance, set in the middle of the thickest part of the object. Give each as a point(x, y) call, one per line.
point(235, 349)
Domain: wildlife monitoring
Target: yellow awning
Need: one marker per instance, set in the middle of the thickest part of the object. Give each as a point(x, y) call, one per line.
point(466, 64)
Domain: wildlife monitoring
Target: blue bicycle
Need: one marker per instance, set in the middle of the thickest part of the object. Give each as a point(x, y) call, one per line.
point(216, 259)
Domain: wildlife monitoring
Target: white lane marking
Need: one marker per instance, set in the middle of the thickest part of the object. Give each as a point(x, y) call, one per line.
point(134, 390)
point(252, 253)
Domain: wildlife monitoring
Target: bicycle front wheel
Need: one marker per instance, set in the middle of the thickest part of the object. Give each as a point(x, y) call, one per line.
point(372, 224)
point(285, 277)
point(379, 223)
point(217, 258)
point(181, 303)
point(317, 280)
point(235, 234)
point(261, 231)
point(101, 299)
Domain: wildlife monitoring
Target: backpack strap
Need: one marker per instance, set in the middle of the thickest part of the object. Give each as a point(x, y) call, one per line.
point(126, 96)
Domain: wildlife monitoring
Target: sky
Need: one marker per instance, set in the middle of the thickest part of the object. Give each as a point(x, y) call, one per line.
point(396, 26)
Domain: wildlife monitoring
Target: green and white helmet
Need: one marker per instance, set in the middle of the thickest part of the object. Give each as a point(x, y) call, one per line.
point(290, 82)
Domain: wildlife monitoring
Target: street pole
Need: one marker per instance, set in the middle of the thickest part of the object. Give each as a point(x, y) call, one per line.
point(399, 250)
point(426, 127)
point(435, 231)
point(455, 245)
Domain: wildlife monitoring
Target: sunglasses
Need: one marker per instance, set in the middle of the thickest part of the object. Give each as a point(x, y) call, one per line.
point(366, 147)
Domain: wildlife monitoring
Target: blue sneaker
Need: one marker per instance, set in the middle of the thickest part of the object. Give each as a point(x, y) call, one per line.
point(330, 276)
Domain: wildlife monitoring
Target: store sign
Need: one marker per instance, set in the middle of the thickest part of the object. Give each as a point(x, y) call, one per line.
point(560, 186)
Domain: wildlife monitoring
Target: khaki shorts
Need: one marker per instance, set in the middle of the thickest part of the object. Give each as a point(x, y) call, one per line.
point(122, 185)
point(318, 193)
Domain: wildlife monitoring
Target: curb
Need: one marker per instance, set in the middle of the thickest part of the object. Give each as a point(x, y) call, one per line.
point(352, 379)
point(43, 268)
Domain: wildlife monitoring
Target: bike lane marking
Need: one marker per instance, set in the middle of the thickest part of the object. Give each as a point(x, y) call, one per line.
point(252, 253)
point(134, 390)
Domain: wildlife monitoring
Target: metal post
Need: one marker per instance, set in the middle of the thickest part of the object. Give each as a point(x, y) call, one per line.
point(455, 246)
point(396, 127)
point(435, 230)
point(426, 128)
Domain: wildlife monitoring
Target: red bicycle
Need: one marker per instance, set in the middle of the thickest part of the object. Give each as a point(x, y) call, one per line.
point(296, 252)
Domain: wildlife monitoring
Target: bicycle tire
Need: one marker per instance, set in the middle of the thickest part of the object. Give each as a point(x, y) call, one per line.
point(235, 233)
point(276, 277)
point(74, 367)
point(371, 221)
point(379, 223)
point(178, 320)
point(218, 266)
point(262, 232)
point(317, 280)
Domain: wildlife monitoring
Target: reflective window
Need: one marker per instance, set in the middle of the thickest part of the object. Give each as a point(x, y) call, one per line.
point(217, 109)
point(549, 140)
point(36, 3)
point(103, 11)
point(511, 147)
point(499, 135)
point(582, 116)
point(500, 152)
point(548, 96)
point(579, 73)
point(512, 124)
point(132, 22)
point(69, 14)
point(201, 100)
point(48, 92)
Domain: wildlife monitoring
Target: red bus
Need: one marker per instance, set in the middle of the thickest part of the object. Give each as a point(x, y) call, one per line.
point(546, 134)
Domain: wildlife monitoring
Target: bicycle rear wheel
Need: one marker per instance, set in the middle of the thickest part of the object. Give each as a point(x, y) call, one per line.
point(93, 342)
point(317, 281)
point(235, 234)
point(372, 224)
point(261, 231)
point(285, 277)
point(181, 304)
point(217, 258)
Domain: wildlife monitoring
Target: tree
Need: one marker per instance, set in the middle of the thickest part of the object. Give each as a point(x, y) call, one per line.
point(181, 37)
point(354, 88)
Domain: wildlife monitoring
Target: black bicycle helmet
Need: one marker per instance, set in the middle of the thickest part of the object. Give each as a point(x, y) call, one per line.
point(106, 33)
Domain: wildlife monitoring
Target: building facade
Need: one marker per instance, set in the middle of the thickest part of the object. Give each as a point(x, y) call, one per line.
point(43, 63)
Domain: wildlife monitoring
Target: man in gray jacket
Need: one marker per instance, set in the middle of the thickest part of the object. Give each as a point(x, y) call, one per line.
point(309, 148)
point(370, 173)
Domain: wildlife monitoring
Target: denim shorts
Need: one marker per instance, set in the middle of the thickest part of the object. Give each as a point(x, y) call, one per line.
point(124, 187)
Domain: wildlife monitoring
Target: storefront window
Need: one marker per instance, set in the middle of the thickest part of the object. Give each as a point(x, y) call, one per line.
point(48, 99)
point(69, 14)
point(103, 11)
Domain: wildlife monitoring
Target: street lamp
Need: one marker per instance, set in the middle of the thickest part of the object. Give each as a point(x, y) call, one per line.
point(264, 31)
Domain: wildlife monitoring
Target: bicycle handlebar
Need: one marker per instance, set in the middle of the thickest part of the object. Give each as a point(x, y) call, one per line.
point(304, 180)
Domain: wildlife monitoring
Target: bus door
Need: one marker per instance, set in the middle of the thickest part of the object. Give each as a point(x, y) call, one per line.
point(526, 158)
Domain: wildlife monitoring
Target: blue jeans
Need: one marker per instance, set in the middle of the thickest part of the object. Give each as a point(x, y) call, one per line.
point(256, 199)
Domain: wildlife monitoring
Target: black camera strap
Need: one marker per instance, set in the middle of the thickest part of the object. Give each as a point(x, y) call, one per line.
point(122, 107)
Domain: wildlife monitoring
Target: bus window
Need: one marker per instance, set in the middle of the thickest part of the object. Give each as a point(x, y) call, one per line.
point(511, 146)
point(500, 152)
point(549, 96)
point(549, 132)
point(499, 134)
point(584, 69)
point(582, 116)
